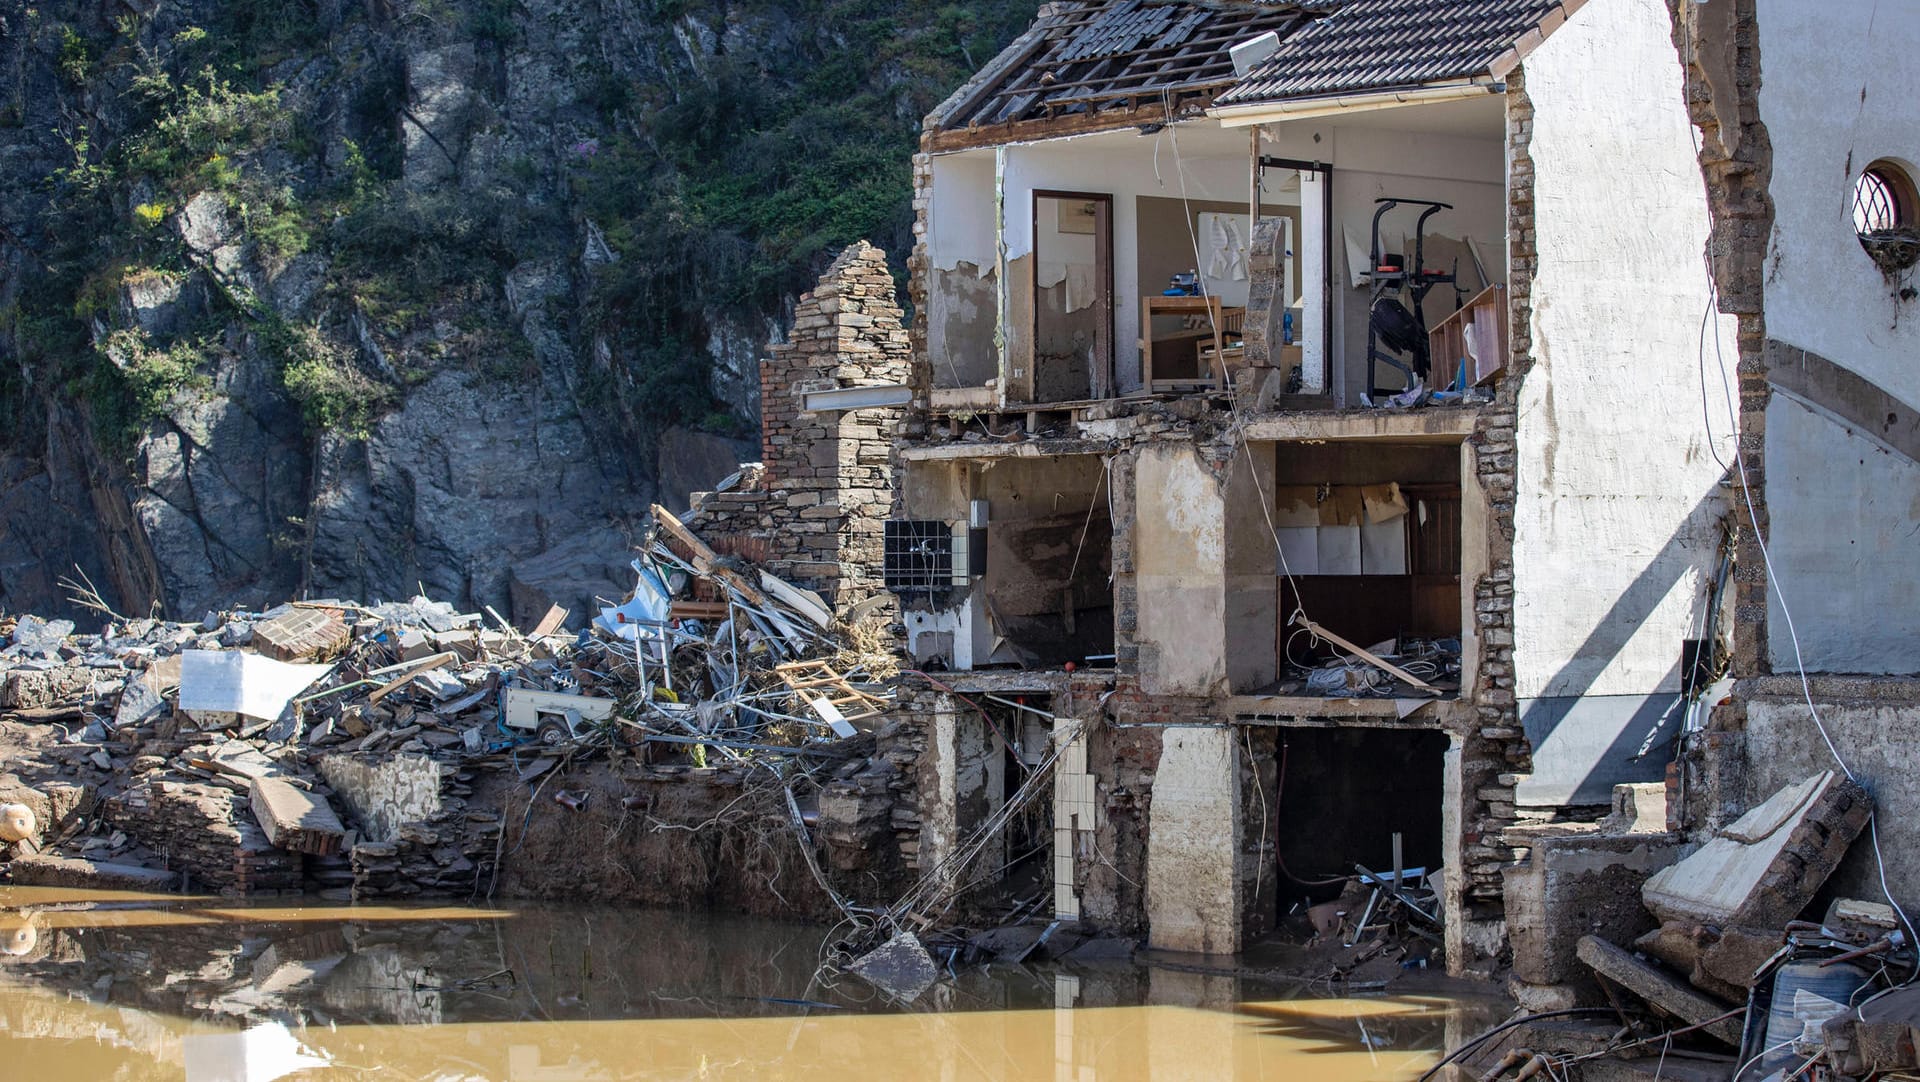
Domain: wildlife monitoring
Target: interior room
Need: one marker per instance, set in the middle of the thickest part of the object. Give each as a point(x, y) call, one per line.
point(1344, 793)
point(1126, 258)
point(1043, 594)
point(1369, 546)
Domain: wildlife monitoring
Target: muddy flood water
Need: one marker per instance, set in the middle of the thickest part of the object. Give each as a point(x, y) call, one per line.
point(130, 987)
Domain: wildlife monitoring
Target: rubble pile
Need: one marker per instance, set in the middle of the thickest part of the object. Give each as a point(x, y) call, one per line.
point(331, 746)
point(1731, 981)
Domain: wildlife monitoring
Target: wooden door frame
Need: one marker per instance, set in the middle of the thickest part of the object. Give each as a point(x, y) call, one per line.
point(1100, 376)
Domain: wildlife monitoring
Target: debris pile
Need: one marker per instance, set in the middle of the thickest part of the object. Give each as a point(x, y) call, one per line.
point(222, 754)
point(1398, 668)
point(1733, 981)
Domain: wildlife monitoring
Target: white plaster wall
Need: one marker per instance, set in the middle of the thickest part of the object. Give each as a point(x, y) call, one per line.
point(1179, 553)
point(960, 221)
point(1616, 515)
point(960, 229)
point(1819, 58)
point(1397, 154)
point(1842, 511)
point(1192, 891)
point(1835, 96)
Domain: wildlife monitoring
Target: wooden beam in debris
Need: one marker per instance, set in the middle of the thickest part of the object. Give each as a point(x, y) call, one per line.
point(1399, 673)
point(1664, 991)
point(705, 560)
point(551, 623)
point(412, 671)
point(295, 821)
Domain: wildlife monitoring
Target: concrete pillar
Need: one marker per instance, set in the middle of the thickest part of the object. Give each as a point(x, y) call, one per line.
point(1180, 560)
point(1252, 595)
point(1193, 886)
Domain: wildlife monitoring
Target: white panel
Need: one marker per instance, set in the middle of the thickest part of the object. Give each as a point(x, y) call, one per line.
point(1339, 550)
point(1383, 548)
point(1313, 282)
point(1300, 546)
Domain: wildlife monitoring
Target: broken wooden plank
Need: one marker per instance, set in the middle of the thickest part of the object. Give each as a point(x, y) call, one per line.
point(295, 821)
point(406, 677)
point(302, 633)
point(706, 561)
point(1378, 663)
point(551, 623)
point(1659, 988)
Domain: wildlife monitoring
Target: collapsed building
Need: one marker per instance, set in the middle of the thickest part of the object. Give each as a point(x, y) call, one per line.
point(1313, 398)
point(1306, 458)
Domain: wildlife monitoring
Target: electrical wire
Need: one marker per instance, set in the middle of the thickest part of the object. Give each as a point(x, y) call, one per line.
point(1470, 1047)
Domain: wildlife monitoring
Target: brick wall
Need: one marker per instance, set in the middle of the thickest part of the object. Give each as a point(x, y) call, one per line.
point(207, 832)
point(1721, 59)
point(1494, 749)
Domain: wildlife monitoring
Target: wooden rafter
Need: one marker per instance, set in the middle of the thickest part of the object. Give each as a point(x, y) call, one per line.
point(1067, 75)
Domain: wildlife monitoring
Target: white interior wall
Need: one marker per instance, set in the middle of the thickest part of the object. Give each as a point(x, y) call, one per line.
point(1125, 166)
point(1617, 513)
point(1197, 163)
point(1414, 153)
point(960, 229)
point(1835, 98)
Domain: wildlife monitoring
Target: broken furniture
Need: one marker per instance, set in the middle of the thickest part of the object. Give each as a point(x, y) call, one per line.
point(1469, 347)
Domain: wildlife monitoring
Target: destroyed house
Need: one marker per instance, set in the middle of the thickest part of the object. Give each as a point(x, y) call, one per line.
point(1306, 398)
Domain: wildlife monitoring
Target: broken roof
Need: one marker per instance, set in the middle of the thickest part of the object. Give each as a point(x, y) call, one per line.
point(1112, 62)
point(1376, 45)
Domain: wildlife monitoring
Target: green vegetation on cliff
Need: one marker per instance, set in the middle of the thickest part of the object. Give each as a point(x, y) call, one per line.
point(710, 153)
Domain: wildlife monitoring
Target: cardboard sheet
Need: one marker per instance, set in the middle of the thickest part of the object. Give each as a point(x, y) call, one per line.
point(231, 682)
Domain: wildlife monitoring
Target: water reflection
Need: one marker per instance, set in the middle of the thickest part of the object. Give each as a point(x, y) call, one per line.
point(103, 987)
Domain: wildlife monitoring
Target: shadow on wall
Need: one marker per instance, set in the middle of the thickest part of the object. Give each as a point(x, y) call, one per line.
point(1584, 745)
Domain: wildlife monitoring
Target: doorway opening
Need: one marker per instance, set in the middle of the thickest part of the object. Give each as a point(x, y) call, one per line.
point(1343, 795)
point(1001, 741)
point(1072, 296)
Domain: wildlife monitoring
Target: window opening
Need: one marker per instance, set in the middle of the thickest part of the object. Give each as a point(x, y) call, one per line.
point(1886, 216)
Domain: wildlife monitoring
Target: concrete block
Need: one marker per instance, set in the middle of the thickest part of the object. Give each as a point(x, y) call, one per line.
point(1659, 988)
point(296, 820)
point(1579, 885)
point(1762, 870)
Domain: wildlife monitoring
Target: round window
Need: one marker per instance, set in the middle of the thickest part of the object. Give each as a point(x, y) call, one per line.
point(1886, 215)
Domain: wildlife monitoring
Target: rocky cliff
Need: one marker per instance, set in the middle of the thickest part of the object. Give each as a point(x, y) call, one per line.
point(311, 297)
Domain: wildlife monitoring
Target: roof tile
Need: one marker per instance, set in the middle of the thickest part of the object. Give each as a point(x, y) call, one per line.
point(1370, 45)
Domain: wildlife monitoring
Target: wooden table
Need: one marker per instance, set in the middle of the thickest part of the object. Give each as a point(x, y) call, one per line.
point(1209, 307)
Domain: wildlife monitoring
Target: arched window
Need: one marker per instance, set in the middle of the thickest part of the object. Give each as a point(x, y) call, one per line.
point(1886, 215)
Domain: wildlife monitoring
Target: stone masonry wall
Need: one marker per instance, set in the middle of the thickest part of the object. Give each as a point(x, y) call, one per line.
point(1720, 56)
point(1719, 48)
point(817, 517)
point(1494, 750)
point(208, 832)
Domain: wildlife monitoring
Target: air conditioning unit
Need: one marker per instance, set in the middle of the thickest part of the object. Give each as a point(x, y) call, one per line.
point(925, 556)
